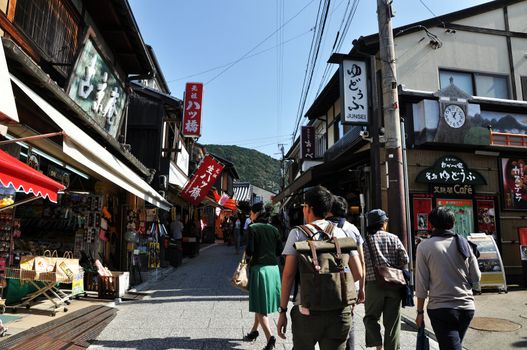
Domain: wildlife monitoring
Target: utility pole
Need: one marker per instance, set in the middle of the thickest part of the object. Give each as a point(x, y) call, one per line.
point(394, 157)
point(282, 167)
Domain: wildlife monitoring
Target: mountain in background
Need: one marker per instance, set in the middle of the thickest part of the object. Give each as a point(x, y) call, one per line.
point(255, 167)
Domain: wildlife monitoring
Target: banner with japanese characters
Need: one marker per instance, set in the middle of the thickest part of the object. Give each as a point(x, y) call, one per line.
point(192, 110)
point(97, 90)
point(202, 180)
point(514, 183)
point(307, 140)
point(354, 78)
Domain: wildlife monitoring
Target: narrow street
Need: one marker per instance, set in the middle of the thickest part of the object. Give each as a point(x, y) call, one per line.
point(196, 308)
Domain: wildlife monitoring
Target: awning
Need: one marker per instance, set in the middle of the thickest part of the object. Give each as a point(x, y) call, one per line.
point(7, 99)
point(25, 178)
point(242, 193)
point(84, 149)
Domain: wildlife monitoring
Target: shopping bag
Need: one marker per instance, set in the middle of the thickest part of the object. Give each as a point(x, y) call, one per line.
point(422, 339)
point(66, 267)
point(46, 263)
point(240, 278)
point(27, 262)
point(407, 291)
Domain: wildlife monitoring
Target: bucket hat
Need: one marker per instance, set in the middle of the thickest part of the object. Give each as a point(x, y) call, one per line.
point(376, 216)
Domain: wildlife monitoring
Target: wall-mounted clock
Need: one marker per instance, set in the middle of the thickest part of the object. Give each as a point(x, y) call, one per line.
point(454, 116)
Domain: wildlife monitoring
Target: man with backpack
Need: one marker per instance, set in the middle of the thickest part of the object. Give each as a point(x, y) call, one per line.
point(321, 313)
point(337, 216)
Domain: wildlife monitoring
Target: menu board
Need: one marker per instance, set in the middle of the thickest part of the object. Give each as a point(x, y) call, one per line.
point(490, 263)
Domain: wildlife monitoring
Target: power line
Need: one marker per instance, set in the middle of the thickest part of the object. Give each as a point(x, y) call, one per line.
point(312, 61)
point(347, 19)
point(428, 8)
point(257, 45)
point(245, 58)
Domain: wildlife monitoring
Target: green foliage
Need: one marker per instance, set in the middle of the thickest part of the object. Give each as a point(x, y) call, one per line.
point(255, 167)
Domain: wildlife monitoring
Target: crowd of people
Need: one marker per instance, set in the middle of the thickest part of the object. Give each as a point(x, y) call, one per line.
point(327, 287)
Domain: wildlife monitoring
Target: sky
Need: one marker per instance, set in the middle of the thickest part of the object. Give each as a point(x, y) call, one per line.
point(252, 56)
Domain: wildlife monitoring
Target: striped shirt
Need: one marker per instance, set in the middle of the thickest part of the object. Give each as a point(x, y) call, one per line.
point(390, 252)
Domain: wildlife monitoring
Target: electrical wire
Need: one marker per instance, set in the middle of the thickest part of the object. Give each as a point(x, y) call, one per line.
point(257, 45)
point(342, 32)
point(245, 58)
point(428, 8)
point(312, 60)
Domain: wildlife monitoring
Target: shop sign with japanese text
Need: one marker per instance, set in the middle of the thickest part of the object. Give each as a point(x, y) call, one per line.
point(202, 180)
point(453, 189)
point(307, 140)
point(354, 90)
point(514, 182)
point(95, 87)
point(192, 110)
point(450, 170)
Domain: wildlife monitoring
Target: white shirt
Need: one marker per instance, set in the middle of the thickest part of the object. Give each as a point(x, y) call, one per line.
point(247, 223)
point(176, 228)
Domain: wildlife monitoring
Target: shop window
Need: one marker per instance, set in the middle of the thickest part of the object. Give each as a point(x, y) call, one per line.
point(52, 28)
point(477, 84)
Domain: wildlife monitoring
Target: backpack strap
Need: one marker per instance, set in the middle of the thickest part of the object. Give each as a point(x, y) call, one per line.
point(306, 231)
point(328, 231)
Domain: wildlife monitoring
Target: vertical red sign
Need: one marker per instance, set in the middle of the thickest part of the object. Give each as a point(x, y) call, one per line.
point(192, 110)
point(202, 180)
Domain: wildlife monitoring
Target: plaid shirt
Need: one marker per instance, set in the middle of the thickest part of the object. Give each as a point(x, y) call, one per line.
point(390, 252)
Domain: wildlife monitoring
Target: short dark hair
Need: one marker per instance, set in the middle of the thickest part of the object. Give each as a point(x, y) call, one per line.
point(320, 200)
point(442, 218)
point(339, 207)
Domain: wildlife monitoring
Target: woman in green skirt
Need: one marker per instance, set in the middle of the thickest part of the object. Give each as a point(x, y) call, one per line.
point(263, 247)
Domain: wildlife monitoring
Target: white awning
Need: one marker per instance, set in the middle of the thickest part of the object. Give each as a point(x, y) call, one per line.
point(81, 147)
point(7, 99)
point(176, 176)
point(242, 193)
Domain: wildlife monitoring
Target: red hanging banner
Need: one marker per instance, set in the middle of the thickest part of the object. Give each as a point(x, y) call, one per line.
point(204, 177)
point(192, 110)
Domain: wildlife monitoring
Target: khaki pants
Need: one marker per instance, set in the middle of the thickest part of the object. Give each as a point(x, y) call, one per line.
point(385, 301)
point(327, 328)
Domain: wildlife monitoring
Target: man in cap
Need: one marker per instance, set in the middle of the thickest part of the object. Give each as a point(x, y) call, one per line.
point(382, 249)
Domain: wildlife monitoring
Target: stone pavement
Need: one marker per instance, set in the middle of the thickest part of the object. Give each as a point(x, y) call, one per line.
point(194, 307)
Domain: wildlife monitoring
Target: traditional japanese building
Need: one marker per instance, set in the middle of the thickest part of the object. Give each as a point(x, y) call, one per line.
point(462, 81)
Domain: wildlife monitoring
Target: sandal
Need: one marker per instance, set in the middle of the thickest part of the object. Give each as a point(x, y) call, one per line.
point(251, 336)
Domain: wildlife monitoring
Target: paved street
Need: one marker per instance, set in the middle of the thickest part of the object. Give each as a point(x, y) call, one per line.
point(196, 308)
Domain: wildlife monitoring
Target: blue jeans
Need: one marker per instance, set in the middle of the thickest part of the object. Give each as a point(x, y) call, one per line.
point(450, 326)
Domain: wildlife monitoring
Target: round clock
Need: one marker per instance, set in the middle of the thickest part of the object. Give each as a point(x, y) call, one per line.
point(454, 116)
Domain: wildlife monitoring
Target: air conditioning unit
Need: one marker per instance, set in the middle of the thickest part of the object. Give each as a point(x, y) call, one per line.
point(163, 182)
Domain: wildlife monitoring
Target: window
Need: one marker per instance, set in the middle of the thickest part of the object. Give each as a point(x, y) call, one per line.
point(51, 27)
point(524, 87)
point(477, 84)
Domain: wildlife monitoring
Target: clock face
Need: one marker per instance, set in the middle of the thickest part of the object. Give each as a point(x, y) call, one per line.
point(454, 116)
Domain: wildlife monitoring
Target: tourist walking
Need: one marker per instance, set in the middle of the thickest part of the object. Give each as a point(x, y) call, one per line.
point(327, 328)
point(337, 215)
point(382, 249)
point(446, 272)
point(237, 233)
point(263, 247)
